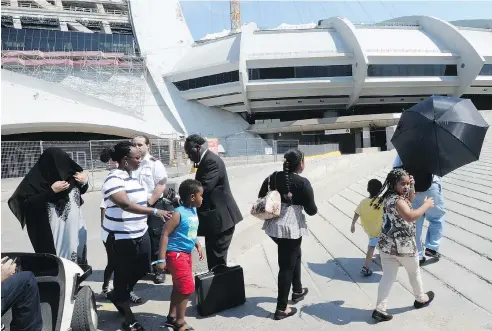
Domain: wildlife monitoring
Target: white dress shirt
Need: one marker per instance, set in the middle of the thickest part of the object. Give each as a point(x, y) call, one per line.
point(150, 173)
point(203, 154)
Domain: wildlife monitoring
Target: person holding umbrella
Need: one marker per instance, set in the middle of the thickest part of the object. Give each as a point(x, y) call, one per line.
point(434, 138)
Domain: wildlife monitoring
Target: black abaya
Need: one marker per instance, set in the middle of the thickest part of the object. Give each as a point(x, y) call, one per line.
point(36, 205)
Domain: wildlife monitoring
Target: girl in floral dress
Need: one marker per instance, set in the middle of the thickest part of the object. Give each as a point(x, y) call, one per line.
point(397, 242)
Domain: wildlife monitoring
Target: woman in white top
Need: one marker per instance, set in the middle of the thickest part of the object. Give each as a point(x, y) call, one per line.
point(126, 219)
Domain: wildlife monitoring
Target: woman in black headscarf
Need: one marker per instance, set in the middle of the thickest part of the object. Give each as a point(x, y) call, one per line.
point(48, 201)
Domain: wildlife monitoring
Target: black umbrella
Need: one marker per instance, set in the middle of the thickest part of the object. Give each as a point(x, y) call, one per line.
point(439, 135)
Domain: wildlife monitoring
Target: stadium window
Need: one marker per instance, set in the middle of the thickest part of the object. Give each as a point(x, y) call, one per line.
point(59, 41)
point(486, 70)
point(300, 72)
point(211, 80)
point(411, 70)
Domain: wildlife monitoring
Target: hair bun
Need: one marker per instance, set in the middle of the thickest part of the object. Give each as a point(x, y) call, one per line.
point(106, 154)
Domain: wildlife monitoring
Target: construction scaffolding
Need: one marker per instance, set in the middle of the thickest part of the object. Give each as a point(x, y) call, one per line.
point(112, 77)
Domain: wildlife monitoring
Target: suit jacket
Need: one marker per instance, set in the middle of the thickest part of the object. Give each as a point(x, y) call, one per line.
point(219, 211)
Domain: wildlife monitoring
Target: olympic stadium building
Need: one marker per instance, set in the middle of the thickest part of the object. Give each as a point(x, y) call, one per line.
point(117, 68)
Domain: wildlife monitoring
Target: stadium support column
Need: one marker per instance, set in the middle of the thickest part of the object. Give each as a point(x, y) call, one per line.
point(366, 137)
point(390, 131)
point(358, 139)
point(360, 61)
point(247, 31)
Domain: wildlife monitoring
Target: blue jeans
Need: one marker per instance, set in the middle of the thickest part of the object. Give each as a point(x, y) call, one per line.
point(20, 292)
point(435, 216)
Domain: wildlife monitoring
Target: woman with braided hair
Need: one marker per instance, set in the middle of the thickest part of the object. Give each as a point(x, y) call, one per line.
point(287, 229)
point(397, 243)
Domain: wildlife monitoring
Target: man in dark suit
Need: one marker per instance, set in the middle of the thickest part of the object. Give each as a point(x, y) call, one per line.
point(219, 212)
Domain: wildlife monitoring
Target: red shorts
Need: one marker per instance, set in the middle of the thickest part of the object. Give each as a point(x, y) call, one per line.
point(180, 266)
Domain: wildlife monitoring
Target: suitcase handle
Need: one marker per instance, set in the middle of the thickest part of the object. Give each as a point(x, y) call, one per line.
point(219, 265)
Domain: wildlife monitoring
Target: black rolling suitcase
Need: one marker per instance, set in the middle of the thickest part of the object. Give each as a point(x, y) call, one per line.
point(220, 289)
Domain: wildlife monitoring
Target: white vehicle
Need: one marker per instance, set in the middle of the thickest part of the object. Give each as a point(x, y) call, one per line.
point(66, 305)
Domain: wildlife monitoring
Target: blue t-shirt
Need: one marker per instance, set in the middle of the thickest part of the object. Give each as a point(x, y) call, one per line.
point(183, 238)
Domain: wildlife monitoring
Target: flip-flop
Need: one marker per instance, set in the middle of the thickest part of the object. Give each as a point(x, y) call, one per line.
point(177, 327)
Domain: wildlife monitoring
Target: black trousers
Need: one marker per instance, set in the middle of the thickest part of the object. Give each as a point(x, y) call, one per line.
point(108, 271)
point(20, 292)
point(131, 263)
point(216, 247)
point(156, 224)
point(289, 274)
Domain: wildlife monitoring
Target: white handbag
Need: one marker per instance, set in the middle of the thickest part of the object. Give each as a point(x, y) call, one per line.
point(269, 206)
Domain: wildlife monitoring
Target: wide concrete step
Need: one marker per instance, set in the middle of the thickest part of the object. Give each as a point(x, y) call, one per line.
point(458, 305)
point(446, 274)
point(463, 256)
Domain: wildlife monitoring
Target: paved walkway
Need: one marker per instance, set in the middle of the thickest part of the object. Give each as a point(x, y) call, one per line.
point(332, 256)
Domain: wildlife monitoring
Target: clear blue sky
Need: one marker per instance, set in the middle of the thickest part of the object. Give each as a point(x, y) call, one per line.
point(205, 16)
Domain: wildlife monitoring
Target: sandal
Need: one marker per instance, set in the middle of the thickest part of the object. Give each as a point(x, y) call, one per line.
point(177, 327)
point(170, 321)
point(133, 326)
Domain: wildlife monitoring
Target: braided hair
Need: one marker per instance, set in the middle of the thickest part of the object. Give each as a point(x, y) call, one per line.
point(392, 179)
point(117, 152)
point(292, 160)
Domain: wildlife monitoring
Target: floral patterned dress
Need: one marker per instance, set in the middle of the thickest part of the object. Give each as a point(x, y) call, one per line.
point(398, 237)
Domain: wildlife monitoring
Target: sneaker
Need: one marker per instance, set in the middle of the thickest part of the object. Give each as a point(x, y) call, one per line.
point(432, 253)
point(296, 297)
point(366, 272)
point(135, 298)
point(133, 326)
point(159, 278)
point(381, 316)
point(419, 305)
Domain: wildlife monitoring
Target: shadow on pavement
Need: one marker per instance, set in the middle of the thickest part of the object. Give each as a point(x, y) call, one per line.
point(111, 320)
point(334, 313)
point(250, 308)
point(330, 270)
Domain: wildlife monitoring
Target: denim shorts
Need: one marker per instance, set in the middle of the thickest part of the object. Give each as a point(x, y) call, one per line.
point(373, 242)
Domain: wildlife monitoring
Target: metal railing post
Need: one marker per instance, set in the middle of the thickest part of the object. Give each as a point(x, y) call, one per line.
point(92, 165)
point(275, 150)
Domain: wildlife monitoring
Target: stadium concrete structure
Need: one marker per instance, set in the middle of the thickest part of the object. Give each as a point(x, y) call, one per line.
point(125, 67)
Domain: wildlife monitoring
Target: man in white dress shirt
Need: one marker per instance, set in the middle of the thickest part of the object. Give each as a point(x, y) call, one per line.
point(153, 177)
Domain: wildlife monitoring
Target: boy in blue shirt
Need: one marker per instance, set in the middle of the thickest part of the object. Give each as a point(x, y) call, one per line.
point(179, 236)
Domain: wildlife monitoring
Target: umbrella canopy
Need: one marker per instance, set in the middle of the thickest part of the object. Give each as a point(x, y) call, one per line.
point(439, 135)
